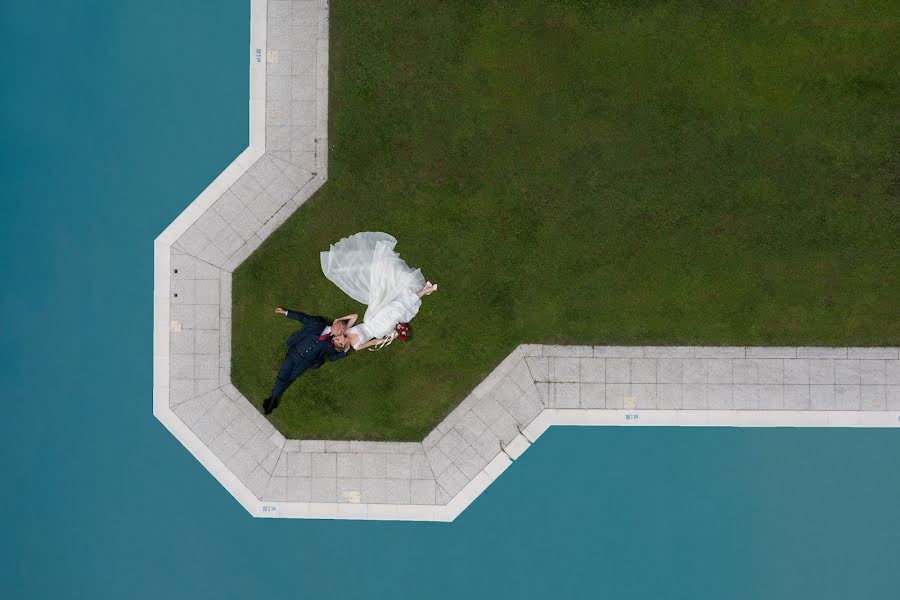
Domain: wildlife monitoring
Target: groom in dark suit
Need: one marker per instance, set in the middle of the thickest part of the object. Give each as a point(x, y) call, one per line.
point(307, 349)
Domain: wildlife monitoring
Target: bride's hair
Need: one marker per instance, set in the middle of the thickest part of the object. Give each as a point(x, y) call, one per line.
point(343, 344)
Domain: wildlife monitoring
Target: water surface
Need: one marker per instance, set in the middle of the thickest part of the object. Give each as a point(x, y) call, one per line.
point(112, 122)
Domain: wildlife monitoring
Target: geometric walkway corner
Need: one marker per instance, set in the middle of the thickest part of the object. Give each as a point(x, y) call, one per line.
point(533, 388)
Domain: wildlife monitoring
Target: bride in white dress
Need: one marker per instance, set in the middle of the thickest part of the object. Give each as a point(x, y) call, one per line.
point(366, 268)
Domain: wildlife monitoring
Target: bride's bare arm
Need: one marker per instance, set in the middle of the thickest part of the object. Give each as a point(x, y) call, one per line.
point(370, 343)
point(351, 319)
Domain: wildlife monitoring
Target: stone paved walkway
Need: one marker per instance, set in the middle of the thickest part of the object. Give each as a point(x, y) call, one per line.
point(533, 388)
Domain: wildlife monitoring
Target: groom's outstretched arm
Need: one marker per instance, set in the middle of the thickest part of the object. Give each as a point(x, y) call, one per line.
point(299, 316)
point(296, 315)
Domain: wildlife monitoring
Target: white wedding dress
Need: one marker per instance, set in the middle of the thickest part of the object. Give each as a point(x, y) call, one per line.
point(366, 268)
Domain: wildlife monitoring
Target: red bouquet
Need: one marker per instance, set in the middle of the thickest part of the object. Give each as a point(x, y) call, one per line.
point(404, 331)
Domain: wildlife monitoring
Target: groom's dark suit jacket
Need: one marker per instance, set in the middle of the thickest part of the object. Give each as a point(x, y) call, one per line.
point(306, 341)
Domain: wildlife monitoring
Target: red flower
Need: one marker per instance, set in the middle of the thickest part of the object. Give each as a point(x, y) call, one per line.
point(404, 331)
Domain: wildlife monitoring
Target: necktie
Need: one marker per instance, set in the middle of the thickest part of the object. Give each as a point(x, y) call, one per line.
point(324, 336)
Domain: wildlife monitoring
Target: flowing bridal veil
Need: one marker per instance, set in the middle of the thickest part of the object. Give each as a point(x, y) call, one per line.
point(366, 268)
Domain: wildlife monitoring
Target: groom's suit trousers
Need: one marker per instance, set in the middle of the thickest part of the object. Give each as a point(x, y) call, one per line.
point(293, 367)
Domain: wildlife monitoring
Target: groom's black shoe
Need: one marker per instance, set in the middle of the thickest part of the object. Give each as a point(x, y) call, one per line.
point(268, 405)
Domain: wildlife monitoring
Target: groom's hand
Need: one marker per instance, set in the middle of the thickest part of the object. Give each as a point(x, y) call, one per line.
point(280, 311)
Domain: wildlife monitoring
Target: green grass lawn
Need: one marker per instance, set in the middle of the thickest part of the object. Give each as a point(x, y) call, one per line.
point(589, 173)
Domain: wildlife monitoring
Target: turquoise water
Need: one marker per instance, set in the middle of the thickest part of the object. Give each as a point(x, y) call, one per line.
point(114, 116)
